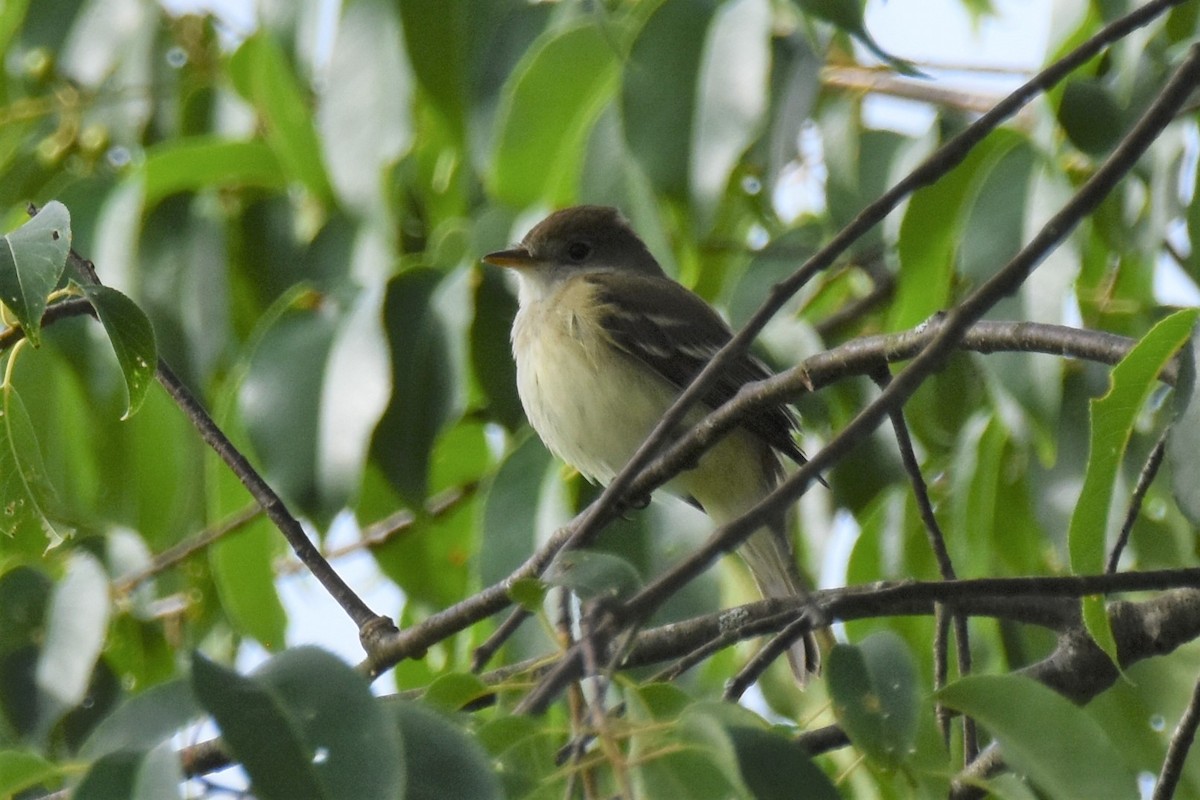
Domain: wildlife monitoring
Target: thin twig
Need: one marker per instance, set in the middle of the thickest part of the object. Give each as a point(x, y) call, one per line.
point(1181, 743)
point(1145, 478)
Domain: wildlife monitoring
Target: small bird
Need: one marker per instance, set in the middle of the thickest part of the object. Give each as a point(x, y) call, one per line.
point(605, 342)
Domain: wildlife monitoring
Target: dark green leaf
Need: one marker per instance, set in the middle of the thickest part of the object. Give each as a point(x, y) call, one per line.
point(548, 107)
point(1090, 115)
point(491, 354)
point(132, 338)
point(1042, 734)
point(259, 731)
point(353, 741)
point(848, 16)
point(114, 775)
point(422, 383)
point(510, 511)
point(774, 768)
point(874, 692)
point(442, 761)
point(32, 259)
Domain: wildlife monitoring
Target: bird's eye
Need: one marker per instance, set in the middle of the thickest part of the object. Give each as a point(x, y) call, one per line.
point(578, 251)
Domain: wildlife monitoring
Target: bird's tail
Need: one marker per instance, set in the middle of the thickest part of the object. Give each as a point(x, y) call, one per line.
point(769, 556)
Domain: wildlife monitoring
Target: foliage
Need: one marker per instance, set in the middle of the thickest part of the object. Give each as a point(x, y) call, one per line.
point(292, 221)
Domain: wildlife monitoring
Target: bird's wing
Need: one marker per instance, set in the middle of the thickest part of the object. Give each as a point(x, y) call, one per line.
point(675, 333)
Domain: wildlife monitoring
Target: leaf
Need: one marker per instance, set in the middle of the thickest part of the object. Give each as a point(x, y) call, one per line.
point(305, 725)
point(658, 92)
point(510, 511)
point(547, 108)
point(76, 624)
point(773, 767)
point(731, 100)
point(27, 499)
point(1183, 442)
point(442, 761)
point(440, 40)
point(874, 692)
point(244, 574)
point(848, 16)
point(1061, 748)
point(20, 770)
point(144, 720)
point(262, 75)
point(591, 575)
point(455, 690)
point(1113, 417)
point(422, 383)
point(491, 353)
point(132, 338)
point(200, 162)
point(363, 116)
point(32, 259)
point(1090, 115)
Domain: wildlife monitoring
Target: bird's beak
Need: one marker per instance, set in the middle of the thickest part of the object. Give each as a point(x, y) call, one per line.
point(515, 258)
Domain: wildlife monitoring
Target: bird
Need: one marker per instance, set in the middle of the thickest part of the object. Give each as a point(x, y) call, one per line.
point(604, 342)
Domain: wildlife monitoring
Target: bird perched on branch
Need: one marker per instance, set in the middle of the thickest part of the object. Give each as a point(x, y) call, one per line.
point(605, 342)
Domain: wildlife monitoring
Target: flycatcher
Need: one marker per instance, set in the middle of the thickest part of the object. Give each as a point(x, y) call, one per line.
point(604, 342)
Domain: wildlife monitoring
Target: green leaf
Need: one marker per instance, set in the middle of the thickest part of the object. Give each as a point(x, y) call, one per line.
point(27, 499)
point(773, 767)
point(1113, 417)
point(491, 353)
point(244, 573)
point(548, 106)
point(510, 511)
point(1183, 443)
point(658, 93)
point(1043, 735)
point(132, 338)
point(440, 40)
point(306, 725)
point(20, 770)
point(200, 162)
point(32, 259)
point(731, 100)
point(262, 75)
point(144, 721)
point(423, 388)
point(931, 233)
point(76, 624)
point(453, 691)
point(114, 775)
point(1090, 115)
point(874, 691)
point(442, 761)
point(848, 16)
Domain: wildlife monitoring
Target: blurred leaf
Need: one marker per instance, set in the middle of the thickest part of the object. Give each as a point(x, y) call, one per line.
point(439, 41)
point(191, 164)
point(24, 594)
point(1183, 443)
point(144, 721)
point(592, 575)
point(1090, 115)
point(422, 383)
point(114, 775)
point(258, 730)
point(76, 624)
point(27, 500)
point(442, 761)
point(491, 352)
point(20, 770)
point(528, 593)
point(658, 93)
point(1113, 417)
point(132, 338)
point(774, 768)
point(262, 76)
point(931, 233)
point(511, 509)
point(549, 105)
point(731, 100)
point(848, 16)
point(363, 115)
point(243, 570)
point(874, 692)
point(31, 261)
point(453, 691)
point(1059, 747)
point(693, 758)
point(305, 725)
